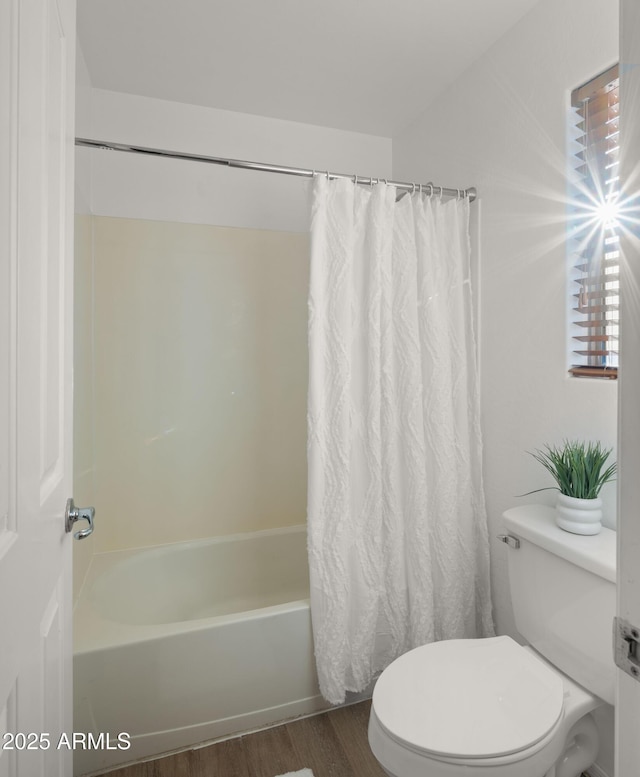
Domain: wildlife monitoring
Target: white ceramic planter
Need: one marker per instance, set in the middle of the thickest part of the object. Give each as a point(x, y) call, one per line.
point(579, 516)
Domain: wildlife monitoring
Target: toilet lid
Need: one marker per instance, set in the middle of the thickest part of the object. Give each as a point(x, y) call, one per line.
point(469, 698)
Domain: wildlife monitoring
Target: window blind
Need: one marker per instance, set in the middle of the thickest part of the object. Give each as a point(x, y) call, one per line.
point(595, 239)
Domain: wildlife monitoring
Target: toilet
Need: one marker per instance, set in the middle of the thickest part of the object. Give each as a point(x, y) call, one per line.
point(495, 708)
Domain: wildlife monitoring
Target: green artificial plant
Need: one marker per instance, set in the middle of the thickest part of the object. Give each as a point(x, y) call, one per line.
point(577, 467)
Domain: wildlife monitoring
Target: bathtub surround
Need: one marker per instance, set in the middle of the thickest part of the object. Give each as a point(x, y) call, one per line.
point(200, 361)
point(398, 546)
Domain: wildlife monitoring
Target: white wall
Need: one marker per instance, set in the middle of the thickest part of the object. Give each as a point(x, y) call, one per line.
point(163, 189)
point(502, 128)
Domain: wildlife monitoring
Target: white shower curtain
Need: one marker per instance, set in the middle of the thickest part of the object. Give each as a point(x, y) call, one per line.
point(398, 546)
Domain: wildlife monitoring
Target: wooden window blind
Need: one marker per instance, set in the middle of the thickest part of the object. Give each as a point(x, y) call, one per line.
point(594, 232)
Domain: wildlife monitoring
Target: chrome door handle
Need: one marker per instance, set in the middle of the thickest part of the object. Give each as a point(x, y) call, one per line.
point(73, 514)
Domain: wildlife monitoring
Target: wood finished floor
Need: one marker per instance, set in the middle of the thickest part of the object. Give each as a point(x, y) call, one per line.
point(333, 744)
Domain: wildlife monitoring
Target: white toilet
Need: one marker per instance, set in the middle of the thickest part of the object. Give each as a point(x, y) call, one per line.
point(492, 708)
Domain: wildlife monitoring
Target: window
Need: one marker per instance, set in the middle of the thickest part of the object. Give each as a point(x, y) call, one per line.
point(594, 230)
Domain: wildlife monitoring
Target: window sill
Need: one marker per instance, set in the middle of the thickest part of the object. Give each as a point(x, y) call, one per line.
point(606, 373)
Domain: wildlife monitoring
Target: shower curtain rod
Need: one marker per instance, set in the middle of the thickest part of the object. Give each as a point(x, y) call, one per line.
point(471, 192)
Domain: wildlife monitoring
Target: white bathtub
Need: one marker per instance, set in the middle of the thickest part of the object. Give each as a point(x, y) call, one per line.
point(187, 643)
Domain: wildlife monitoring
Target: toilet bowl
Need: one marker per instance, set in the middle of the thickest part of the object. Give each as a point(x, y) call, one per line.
point(492, 707)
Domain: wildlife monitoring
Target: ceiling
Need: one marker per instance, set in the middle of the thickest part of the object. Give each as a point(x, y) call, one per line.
point(363, 65)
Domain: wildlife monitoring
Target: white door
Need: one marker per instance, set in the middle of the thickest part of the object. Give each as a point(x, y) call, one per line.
point(37, 61)
point(628, 705)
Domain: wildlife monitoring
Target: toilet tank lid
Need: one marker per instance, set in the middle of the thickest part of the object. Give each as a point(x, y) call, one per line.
point(536, 524)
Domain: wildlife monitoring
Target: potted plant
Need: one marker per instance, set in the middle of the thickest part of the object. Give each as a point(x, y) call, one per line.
point(579, 471)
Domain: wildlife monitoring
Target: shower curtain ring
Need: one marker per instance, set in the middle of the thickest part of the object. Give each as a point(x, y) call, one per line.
point(430, 185)
point(327, 174)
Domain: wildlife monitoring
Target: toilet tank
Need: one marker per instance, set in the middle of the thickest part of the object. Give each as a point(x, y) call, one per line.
point(563, 590)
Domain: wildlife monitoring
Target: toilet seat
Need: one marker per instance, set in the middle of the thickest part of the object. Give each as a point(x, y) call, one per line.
point(469, 699)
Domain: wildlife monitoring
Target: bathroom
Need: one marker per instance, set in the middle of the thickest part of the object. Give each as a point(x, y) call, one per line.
point(239, 332)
